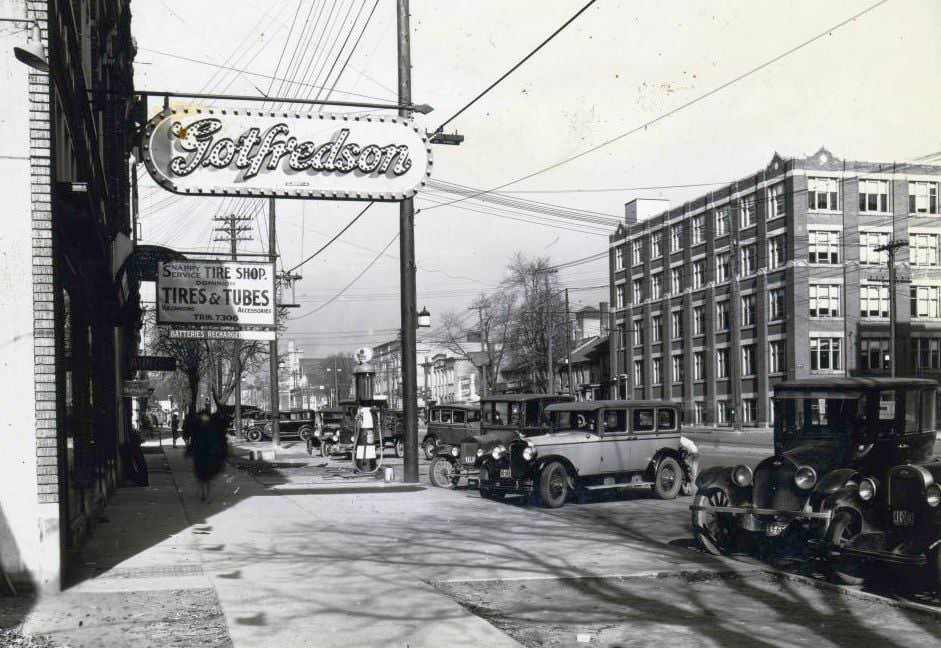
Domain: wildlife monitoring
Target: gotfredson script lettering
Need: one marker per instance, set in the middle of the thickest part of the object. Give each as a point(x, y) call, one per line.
point(253, 151)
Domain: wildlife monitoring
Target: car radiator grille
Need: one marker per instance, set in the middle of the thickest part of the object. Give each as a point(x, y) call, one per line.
point(905, 491)
point(519, 467)
point(774, 488)
point(469, 452)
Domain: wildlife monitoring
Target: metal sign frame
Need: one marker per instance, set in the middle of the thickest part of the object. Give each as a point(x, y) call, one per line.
point(220, 154)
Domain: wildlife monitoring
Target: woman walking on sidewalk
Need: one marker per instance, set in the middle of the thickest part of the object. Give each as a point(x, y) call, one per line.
point(209, 449)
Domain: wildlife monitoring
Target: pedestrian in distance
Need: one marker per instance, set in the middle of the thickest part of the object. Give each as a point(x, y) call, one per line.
point(209, 450)
point(174, 427)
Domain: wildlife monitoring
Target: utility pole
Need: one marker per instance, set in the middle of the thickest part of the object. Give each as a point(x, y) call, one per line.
point(273, 345)
point(890, 249)
point(336, 383)
point(484, 346)
point(233, 234)
point(409, 305)
point(550, 369)
point(568, 344)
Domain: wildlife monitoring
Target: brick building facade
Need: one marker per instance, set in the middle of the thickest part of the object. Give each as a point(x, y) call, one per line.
point(776, 276)
point(71, 309)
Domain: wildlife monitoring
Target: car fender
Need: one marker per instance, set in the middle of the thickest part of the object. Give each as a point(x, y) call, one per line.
point(833, 481)
point(657, 458)
point(570, 469)
point(721, 477)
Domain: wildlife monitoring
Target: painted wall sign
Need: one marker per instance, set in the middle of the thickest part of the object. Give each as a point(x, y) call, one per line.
point(135, 388)
point(213, 293)
point(287, 155)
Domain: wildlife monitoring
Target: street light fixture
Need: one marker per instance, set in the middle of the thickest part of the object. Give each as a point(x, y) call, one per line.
point(32, 53)
point(424, 318)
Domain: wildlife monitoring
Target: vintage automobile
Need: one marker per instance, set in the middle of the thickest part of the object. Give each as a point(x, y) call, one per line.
point(336, 429)
point(832, 438)
point(298, 423)
point(503, 418)
point(448, 424)
point(393, 431)
point(590, 446)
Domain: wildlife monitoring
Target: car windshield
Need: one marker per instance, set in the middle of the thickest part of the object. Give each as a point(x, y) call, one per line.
point(564, 420)
point(819, 414)
point(495, 413)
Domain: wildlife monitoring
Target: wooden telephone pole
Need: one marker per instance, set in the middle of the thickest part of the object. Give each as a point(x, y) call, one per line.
point(233, 232)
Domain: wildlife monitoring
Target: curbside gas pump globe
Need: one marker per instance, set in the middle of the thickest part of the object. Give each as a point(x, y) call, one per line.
point(424, 318)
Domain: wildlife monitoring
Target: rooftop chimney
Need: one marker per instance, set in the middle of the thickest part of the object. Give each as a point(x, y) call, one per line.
point(640, 209)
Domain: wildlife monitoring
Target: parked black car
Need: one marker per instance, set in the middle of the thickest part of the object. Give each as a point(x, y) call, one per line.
point(502, 418)
point(895, 524)
point(830, 434)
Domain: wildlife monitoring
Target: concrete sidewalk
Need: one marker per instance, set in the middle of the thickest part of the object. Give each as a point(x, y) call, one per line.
point(252, 567)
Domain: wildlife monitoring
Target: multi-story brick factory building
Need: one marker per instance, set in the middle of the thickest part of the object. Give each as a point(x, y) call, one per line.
point(776, 276)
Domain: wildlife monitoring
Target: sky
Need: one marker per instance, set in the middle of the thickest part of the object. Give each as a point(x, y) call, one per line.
point(868, 90)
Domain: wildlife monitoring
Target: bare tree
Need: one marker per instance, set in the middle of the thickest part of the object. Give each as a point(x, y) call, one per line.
point(536, 318)
point(491, 325)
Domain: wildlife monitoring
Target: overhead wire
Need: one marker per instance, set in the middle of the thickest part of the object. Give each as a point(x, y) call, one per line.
point(681, 107)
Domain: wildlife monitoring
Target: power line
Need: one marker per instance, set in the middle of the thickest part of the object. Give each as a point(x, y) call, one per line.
point(335, 237)
point(515, 67)
point(683, 106)
point(353, 281)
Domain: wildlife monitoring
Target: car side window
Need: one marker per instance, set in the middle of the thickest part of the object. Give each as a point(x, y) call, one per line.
point(532, 414)
point(445, 416)
point(458, 416)
point(516, 414)
point(666, 420)
point(614, 421)
point(435, 416)
point(643, 420)
point(473, 416)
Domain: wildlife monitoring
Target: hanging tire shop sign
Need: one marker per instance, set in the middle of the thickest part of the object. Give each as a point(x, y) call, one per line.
point(216, 293)
point(286, 155)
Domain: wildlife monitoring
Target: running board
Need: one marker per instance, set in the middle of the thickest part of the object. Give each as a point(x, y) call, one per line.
point(630, 485)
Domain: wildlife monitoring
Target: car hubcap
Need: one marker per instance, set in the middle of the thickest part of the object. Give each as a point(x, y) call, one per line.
point(556, 486)
point(667, 477)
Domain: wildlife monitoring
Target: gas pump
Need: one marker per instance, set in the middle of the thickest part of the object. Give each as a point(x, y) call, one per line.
point(368, 432)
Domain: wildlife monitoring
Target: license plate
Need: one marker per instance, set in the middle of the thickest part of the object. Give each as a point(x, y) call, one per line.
point(504, 473)
point(470, 460)
point(903, 518)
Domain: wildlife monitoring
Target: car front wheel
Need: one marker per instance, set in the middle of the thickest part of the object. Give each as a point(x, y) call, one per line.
point(848, 571)
point(399, 449)
point(253, 435)
point(441, 473)
point(715, 532)
point(553, 485)
point(428, 447)
point(305, 433)
point(326, 449)
point(669, 479)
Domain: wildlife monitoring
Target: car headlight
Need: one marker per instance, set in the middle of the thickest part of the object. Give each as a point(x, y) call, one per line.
point(317, 433)
point(867, 489)
point(336, 437)
point(805, 477)
point(742, 476)
point(455, 452)
point(933, 495)
point(528, 453)
point(480, 452)
point(497, 451)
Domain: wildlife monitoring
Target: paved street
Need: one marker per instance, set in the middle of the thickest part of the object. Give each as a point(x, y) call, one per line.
point(285, 554)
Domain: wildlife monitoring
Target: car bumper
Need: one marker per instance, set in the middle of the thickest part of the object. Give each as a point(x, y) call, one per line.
point(771, 522)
